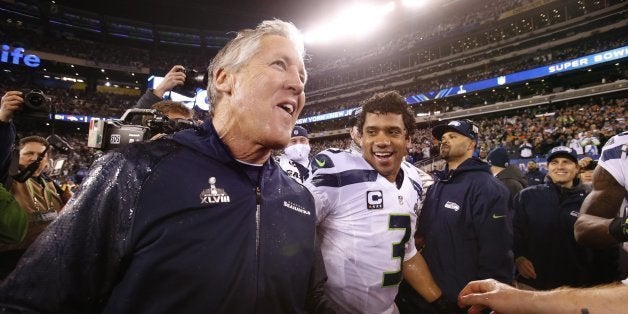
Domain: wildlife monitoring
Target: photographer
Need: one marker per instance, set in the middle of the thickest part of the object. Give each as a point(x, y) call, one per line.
point(36, 194)
point(172, 110)
point(175, 77)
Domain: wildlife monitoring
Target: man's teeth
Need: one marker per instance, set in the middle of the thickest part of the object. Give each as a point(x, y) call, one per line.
point(383, 154)
point(288, 108)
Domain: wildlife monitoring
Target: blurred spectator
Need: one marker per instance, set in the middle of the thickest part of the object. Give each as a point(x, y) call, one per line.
point(525, 149)
point(590, 143)
point(534, 175)
point(587, 166)
point(507, 174)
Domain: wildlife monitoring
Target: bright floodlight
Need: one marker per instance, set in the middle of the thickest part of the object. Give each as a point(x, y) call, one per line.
point(413, 3)
point(356, 21)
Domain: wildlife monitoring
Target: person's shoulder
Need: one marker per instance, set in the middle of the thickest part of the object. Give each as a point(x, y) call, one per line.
point(140, 153)
point(334, 159)
point(615, 148)
point(535, 189)
point(617, 140)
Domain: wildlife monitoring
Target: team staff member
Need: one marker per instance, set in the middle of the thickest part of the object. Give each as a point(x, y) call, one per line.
point(594, 225)
point(467, 234)
point(295, 160)
point(546, 253)
point(205, 222)
point(38, 196)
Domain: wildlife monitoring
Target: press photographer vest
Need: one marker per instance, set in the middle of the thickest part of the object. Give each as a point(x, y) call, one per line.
point(36, 200)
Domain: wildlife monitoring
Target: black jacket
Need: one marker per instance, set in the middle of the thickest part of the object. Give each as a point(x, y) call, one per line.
point(543, 233)
point(535, 177)
point(467, 232)
point(513, 179)
point(174, 226)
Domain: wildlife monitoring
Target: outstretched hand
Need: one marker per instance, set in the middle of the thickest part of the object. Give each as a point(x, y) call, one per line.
point(490, 293)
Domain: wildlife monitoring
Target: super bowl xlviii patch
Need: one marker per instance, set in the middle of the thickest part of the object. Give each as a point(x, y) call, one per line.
point(214, 195)
point(374, 199)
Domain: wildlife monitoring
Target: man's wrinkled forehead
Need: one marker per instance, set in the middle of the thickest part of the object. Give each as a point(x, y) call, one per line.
point(35, 147)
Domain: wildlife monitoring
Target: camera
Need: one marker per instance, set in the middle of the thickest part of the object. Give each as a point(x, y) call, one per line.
point(113, 133)
point(59, 144)
point(36, 103)
point(193, 81)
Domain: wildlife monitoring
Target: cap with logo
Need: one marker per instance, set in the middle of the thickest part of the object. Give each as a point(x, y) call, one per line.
point(498, 157)
point(298, 131)
point(464, 127)
point(562, 151)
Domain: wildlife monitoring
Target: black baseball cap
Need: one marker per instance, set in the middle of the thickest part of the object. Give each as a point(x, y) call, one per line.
point(562, 151)
point(464, 127)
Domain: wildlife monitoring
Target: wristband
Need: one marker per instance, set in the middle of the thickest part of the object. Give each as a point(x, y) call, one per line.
point(618, 229)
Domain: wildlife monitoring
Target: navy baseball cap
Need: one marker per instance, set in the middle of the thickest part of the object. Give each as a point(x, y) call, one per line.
point(464, 127)
point(298, 131)
point(498, 157)
point(562, 151)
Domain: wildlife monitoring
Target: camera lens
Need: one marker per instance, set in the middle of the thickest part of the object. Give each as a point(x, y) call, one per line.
point(193, 81)
point(34, 99)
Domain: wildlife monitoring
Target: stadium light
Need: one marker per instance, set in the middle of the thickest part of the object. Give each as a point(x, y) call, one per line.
point(413, 3)
point(356, 21)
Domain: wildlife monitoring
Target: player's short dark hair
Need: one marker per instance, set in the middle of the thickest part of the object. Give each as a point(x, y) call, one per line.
point(387, 102)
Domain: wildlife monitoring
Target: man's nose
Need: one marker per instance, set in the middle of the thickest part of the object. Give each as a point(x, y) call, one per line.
point(295, 83)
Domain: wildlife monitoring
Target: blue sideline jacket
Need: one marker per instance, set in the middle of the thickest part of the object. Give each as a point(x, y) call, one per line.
point(172, 226)
point(544, 220)
point(467, 228)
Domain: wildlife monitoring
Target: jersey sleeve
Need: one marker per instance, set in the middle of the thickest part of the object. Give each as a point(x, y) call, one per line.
point(325, 197)
point(614, 158)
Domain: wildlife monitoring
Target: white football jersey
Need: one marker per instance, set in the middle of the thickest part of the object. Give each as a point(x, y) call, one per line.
point(614, 158)
point(366, 227)
point(295, 170)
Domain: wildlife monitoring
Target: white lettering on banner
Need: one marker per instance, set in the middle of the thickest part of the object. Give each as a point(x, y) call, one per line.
point(32, 61)
point(610, 55)
point(569, 65)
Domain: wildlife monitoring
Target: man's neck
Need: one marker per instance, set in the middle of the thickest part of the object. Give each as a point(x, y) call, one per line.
point(454, 164)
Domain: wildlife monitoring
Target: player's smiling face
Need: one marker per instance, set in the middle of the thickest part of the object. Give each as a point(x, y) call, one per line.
point(384, 140)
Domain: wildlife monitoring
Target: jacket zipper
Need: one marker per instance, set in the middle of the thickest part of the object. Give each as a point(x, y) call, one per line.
point(258, 202)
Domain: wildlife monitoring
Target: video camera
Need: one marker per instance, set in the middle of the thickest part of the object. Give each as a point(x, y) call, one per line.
point(113, 133)
point(36, 103)
point(193, 80)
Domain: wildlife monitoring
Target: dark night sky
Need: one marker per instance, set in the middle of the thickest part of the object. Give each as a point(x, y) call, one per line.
point(218, 15)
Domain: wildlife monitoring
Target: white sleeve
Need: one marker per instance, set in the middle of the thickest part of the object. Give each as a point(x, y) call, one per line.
point(325, 198)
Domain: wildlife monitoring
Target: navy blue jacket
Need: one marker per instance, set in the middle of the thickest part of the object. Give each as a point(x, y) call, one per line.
point(466, 227)
point(544, 233)
point(7, 138)
point(173, 226)
point(535, 177)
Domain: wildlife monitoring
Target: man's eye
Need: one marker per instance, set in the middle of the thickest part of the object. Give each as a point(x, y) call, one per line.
point(280, 64)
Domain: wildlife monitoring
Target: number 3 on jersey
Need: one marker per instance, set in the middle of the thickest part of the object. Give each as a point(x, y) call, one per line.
point(397, 222)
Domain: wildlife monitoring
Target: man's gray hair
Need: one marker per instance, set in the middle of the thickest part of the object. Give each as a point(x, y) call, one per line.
point(237, 52)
